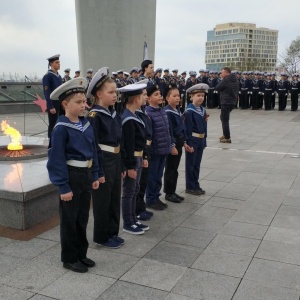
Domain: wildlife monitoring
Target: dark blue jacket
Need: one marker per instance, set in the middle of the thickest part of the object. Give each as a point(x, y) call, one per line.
point(68, 142)
point(161, 140)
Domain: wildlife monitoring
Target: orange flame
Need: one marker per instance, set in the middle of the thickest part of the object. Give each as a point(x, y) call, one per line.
point(14, 135)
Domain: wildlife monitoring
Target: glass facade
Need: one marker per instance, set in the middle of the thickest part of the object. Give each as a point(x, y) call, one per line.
point(241, 46)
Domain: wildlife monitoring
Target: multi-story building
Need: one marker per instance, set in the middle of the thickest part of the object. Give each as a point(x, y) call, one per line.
point(241, 46)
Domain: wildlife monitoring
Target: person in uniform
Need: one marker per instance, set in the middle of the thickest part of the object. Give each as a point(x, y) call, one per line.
point(245, 88)
point(73, 167)
point(114, 76)
point(256, 91)
point(107, 126)
point(158, 80)
point(161, 147)
point(147, 71)
point(189, 83)
point(142, 213)
point(89, 76)
point(67, 75)
point(294, 91)
point(275, 84)
point(133, 78)
point(77, 74)
point(52, 80)
point(126, 76)
point(182, 91)
point(134, 139)
point(211, 90)
point(195, 120)
point(201, 74)
point(283, 88)
point(268, 89)
point(178, 140)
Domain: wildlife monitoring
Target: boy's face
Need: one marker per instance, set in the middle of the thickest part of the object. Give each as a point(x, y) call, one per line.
point(197, 98)
point(174, 97)
point(155, 99)
point(75, 106)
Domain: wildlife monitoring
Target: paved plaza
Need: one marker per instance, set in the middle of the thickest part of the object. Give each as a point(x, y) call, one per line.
point(240, 241)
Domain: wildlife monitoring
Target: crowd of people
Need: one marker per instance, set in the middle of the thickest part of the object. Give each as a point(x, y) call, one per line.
point(129, 143)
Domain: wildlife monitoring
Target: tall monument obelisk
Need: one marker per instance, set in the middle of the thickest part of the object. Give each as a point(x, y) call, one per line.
point(111, 33)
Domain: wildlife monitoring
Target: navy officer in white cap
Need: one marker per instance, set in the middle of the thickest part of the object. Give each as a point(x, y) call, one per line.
point(51, 81)
point(195, 120)
point(73, 168)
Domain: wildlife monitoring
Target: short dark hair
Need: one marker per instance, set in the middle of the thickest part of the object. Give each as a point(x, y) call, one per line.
point(227, 69)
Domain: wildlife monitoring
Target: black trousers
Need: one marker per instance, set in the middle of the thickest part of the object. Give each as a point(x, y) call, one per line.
point(282, 99)
point(210, 99)
point(52, 118)
point(140, 202)
point(268, 100)
point(273, 97)
point(224, 117)
point(244, 99)
point(294, 100)
point(255, 99)
point(74, 216)
point(107, 199)
point(171, 169)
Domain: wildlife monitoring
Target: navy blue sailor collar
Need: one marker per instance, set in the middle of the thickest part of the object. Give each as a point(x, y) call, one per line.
point(97, 108)
point(64, 121)
point(128, 115)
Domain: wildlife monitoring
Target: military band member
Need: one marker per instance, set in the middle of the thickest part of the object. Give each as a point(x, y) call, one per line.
point(268, 90)
point(195, 120)
point(67, 75)
point(133, 78)
point(51, 81)
point(189, 83)
point(283, 88)
point(256, 91)
point(73, 168)
point(107, 127)
point(294, 91)
point(134, 139)
point(77, 74)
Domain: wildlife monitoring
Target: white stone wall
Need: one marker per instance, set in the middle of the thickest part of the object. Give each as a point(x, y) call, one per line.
point(111, 33)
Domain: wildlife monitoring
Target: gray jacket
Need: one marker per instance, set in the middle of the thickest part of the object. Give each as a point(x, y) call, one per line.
point(228, 89)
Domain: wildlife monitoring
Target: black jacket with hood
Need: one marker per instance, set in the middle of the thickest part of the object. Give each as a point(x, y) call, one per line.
point(228, 89)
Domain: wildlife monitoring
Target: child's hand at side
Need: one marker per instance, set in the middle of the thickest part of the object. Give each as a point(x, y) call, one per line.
point(66, 197)
point(95, 184)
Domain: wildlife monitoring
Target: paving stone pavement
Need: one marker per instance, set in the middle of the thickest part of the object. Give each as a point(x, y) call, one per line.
point(240, 241)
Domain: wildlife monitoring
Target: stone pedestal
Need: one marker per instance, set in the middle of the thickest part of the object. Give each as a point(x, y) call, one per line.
point(27, 196)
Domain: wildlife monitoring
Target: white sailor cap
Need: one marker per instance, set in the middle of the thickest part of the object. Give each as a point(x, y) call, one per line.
point(114, 73)
point(67, 70)
point(120, 71)
point(90, 70)
point(132, 89)
point(200, 87)
point(143, 81)
point(53, 58)
point(98, 79)
point(166, 70)
point(73, 86)
point(126, 73)
point(175, 70)
point(192, 73)
point(78, 71)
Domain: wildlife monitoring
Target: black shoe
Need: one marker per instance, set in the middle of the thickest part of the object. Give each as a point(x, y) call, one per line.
point(155, 206)
point(193, 192)
point(163, 204)
point(172, 198)
point(87, 262)
point(76, 267)
point(179, 197)
point(202, 191)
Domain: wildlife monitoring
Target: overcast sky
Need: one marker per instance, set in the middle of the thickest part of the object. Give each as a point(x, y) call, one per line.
point(32, 30)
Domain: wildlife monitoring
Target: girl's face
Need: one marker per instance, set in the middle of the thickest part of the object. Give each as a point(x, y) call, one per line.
point(155, 99)
point(107, 94)
point(197, 98)
point(144, 97)
point(174, 97)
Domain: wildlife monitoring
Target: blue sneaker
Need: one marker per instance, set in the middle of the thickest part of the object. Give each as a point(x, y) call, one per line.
point(143, 216)
point(150, 213)
point(111, 243)
point(118, 239)
point(142, 226)
point(133, 229)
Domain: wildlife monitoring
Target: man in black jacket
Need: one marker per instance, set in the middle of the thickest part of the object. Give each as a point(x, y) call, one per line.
point(228, 89)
